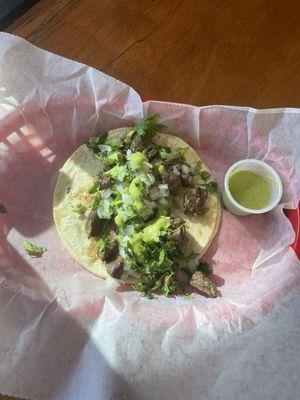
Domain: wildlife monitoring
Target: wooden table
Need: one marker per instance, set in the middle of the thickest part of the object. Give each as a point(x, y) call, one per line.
point(193, 51)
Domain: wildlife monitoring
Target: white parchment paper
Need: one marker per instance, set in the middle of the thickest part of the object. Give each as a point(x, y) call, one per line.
point(66, 334)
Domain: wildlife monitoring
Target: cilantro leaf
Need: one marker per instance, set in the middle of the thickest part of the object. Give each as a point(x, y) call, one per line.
point(102, 244)
point(2, 208)
point(180, 153)
point(94, 188)
point(32, 250)
point(204, 175)
point(210, 186)
point(166, 154)
point(145, 129)
point(198, 167)
point(94, 142)
point(169, 284)
point(96, 203)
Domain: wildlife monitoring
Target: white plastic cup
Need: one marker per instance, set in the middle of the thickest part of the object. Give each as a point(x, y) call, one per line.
point(261, 168)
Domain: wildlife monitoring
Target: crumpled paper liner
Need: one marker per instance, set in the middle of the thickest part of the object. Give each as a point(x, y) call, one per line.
point(68, 334)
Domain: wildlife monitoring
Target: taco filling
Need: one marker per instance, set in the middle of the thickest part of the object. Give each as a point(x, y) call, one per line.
point(139, 208)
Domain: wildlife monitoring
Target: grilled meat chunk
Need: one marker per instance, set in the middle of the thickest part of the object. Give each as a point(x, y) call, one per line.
point(115, 268)
point(179, 236)
point(205, 285)
point(194, 201)
point(93, 224)
point(151, 154)
point(172, 180)
point(104, 182)
point(177, 222)
point(171, 162)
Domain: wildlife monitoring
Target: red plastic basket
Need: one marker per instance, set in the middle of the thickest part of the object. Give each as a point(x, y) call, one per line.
point(294, 217)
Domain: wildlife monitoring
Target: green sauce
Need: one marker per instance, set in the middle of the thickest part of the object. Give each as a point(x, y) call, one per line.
point(250, 189)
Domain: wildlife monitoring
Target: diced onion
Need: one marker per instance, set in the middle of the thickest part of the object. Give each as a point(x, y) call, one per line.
point(107, 194)
point(154, 193)
point(163, 202)
point(122, 252)
point(126, 198)
point(163, 190)
point(122, 173)
point(149, 204)
point(175, 170)
point(148, 178)
point(128, 153)
point(120, 188)
point(185, 169)
point(104, 147)
point(129, 229)
point(104, 210)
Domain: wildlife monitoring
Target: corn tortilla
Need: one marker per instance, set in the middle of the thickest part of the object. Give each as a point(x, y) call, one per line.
point(76, 178)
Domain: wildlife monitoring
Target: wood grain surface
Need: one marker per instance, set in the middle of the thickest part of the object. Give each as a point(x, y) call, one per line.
point(193, 51)
point(190, 51)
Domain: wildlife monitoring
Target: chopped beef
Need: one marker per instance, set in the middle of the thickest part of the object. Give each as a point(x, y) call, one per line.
point(93, 224)
point(182, 275)
point(151, 154)
point(171, 179)
point(177, 222)
point(138, 148)
point(179, 236)
point(178, 233)
point(174, 175)
point(171, 162)
point(194, 201)
point(104, 182)
point(186, 180)
point(205, 285)
point(115, 268)
point(186, 176)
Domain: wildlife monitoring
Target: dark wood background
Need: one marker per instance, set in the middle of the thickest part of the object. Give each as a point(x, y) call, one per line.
point(191, 51)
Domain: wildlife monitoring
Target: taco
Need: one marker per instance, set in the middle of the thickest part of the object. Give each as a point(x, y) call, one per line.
point(140, 206)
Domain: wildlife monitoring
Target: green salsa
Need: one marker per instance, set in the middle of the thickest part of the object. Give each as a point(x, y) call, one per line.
point(250, 189)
